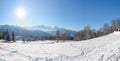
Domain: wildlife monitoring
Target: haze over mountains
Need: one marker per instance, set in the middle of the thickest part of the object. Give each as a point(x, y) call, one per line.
point(52, 30)
point(35, 32)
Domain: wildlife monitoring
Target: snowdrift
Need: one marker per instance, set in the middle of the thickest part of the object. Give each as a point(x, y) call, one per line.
point(105, 48)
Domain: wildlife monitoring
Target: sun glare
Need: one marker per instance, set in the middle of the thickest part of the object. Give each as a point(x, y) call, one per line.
point(20, 12)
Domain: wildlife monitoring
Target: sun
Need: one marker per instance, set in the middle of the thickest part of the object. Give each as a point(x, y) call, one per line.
point(20, 12)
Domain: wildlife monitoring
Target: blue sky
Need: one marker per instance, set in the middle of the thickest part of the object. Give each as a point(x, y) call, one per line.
point(71, 14)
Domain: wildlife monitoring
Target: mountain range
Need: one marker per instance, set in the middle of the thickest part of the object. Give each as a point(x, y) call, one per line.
point(35, 32)
point(52, 30)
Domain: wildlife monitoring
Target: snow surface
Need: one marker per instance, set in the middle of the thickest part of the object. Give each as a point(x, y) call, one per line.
point(105, 48)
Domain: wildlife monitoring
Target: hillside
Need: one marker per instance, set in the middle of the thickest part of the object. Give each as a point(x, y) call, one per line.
point(21, 32)
point(105, 48)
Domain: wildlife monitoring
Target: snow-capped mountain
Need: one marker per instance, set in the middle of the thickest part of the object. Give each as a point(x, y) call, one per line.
point(41, 27)
point(36, 32)
point(23, 32)
point(52, 30)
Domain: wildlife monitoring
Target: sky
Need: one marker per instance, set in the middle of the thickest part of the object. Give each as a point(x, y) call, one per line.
point(70, 14)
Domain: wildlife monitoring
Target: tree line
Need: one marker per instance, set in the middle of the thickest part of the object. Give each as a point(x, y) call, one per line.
point(88, 33)
point(7, 36)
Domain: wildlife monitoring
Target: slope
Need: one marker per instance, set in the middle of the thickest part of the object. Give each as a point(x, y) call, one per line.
point(105, 48)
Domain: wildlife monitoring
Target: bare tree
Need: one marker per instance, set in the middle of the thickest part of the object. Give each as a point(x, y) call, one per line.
point(114, 25)
point(87, 32)
point(64, 37)
point(93, 33)
point(99, 32)
point(78, 36)
point(106, 29)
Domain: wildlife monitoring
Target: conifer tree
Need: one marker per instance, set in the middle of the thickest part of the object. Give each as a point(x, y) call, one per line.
point(57, 35)
point(7, 37)
point(3, 35)
point(0, 36)
point(23, 40)
point(13, 37)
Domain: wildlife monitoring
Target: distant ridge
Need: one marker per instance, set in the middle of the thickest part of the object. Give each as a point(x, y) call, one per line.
point(52, 30)
point(35, 32)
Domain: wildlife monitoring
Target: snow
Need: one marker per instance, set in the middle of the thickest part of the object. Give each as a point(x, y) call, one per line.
point(104, 48)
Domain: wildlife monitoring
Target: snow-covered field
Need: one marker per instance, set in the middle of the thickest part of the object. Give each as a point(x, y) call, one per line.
point(105, 48)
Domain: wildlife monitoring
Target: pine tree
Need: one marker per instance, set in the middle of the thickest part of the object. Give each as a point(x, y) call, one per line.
point(7, 37)
point(57, 35)
point(3, 35)
point(13, 37)
point(0, 36)
point(23, 40)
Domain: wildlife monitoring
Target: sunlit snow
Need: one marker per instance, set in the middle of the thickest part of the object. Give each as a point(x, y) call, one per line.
point(105, 48)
